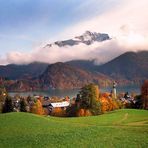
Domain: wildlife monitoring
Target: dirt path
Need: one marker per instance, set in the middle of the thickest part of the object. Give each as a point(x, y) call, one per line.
point(120, 121)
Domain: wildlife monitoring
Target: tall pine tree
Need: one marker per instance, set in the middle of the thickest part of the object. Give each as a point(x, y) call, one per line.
point(8, 106)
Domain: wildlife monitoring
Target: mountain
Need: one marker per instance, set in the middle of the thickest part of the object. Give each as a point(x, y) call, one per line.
point(64, 76)
point(61, 76)
point(87, 38)
point(128, 68)
point(88, 65)
point(130, 65)
point(14, 72)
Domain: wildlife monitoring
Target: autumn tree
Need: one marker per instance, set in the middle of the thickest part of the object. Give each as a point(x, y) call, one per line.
point(108, 103)
point(144, 95)
point(58, 112)
point(83, 112)
point(8, 106)
point(37, 108)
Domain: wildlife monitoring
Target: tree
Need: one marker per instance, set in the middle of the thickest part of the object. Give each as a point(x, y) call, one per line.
point(3, 95)
point(83, 112)
point(71, 111)
point(37, 108)
point(144, 95)
point(58, 112)
point(23, 105)
point(89, 95)
point(8, 106)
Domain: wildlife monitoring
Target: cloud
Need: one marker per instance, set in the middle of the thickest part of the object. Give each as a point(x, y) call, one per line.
point(100, 51)
point(127, 24)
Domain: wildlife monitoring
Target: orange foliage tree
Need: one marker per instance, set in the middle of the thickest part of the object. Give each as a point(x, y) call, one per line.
point(108, 103)
point(37, 108)
point(83, 112)
point(58, 112)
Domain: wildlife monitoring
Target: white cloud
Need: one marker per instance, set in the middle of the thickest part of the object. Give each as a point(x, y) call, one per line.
point(101, 51)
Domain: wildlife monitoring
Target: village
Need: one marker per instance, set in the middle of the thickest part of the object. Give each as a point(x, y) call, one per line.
point(76, 106)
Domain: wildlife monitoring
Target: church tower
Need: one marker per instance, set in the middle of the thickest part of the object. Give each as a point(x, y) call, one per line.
point(114, 90)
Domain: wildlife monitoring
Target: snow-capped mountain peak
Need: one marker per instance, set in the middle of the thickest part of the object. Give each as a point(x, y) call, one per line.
point(86, 38)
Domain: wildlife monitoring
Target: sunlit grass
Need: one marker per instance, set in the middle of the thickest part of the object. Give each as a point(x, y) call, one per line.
point(121, 128)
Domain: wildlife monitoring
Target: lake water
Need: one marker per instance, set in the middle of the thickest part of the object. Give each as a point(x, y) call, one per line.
point(72, 93)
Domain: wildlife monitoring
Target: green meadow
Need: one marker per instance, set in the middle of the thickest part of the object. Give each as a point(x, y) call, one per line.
point(125, 128)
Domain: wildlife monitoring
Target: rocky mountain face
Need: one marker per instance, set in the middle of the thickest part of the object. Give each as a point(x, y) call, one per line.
point(87, 38)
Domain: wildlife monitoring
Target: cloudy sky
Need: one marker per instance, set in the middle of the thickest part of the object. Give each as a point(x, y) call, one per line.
point(27, 25)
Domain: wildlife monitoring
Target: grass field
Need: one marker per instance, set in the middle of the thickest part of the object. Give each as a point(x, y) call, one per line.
point(119, 129)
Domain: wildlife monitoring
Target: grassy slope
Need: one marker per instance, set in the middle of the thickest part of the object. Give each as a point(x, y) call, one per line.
point(122, 128)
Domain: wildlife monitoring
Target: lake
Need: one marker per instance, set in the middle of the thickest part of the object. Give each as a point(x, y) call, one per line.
point(72, 93)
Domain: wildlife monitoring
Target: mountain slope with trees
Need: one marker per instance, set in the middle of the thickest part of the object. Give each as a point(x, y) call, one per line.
point(62, 75)
point(130, 66)
point(13, 71)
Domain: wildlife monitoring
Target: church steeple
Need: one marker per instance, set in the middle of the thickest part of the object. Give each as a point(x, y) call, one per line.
point(114, 90)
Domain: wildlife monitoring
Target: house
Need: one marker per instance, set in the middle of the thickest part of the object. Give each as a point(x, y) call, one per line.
point(52, 106)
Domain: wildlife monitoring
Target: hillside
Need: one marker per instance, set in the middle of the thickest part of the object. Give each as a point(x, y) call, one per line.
point(121, 128)
point(84, 64)
point(62, 75)
point(130, 65)
point(14, 72)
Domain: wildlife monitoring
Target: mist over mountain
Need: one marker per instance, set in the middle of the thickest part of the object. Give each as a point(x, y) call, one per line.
point(88, 46)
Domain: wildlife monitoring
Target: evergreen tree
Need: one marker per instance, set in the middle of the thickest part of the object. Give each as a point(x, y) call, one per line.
point(144, 94)
point(23, 105)
point(89, 95)
point(3, 94)
point(8, 106)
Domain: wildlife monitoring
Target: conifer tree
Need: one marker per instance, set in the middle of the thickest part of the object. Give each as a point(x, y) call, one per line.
point(23, 105)
point(8, 106)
